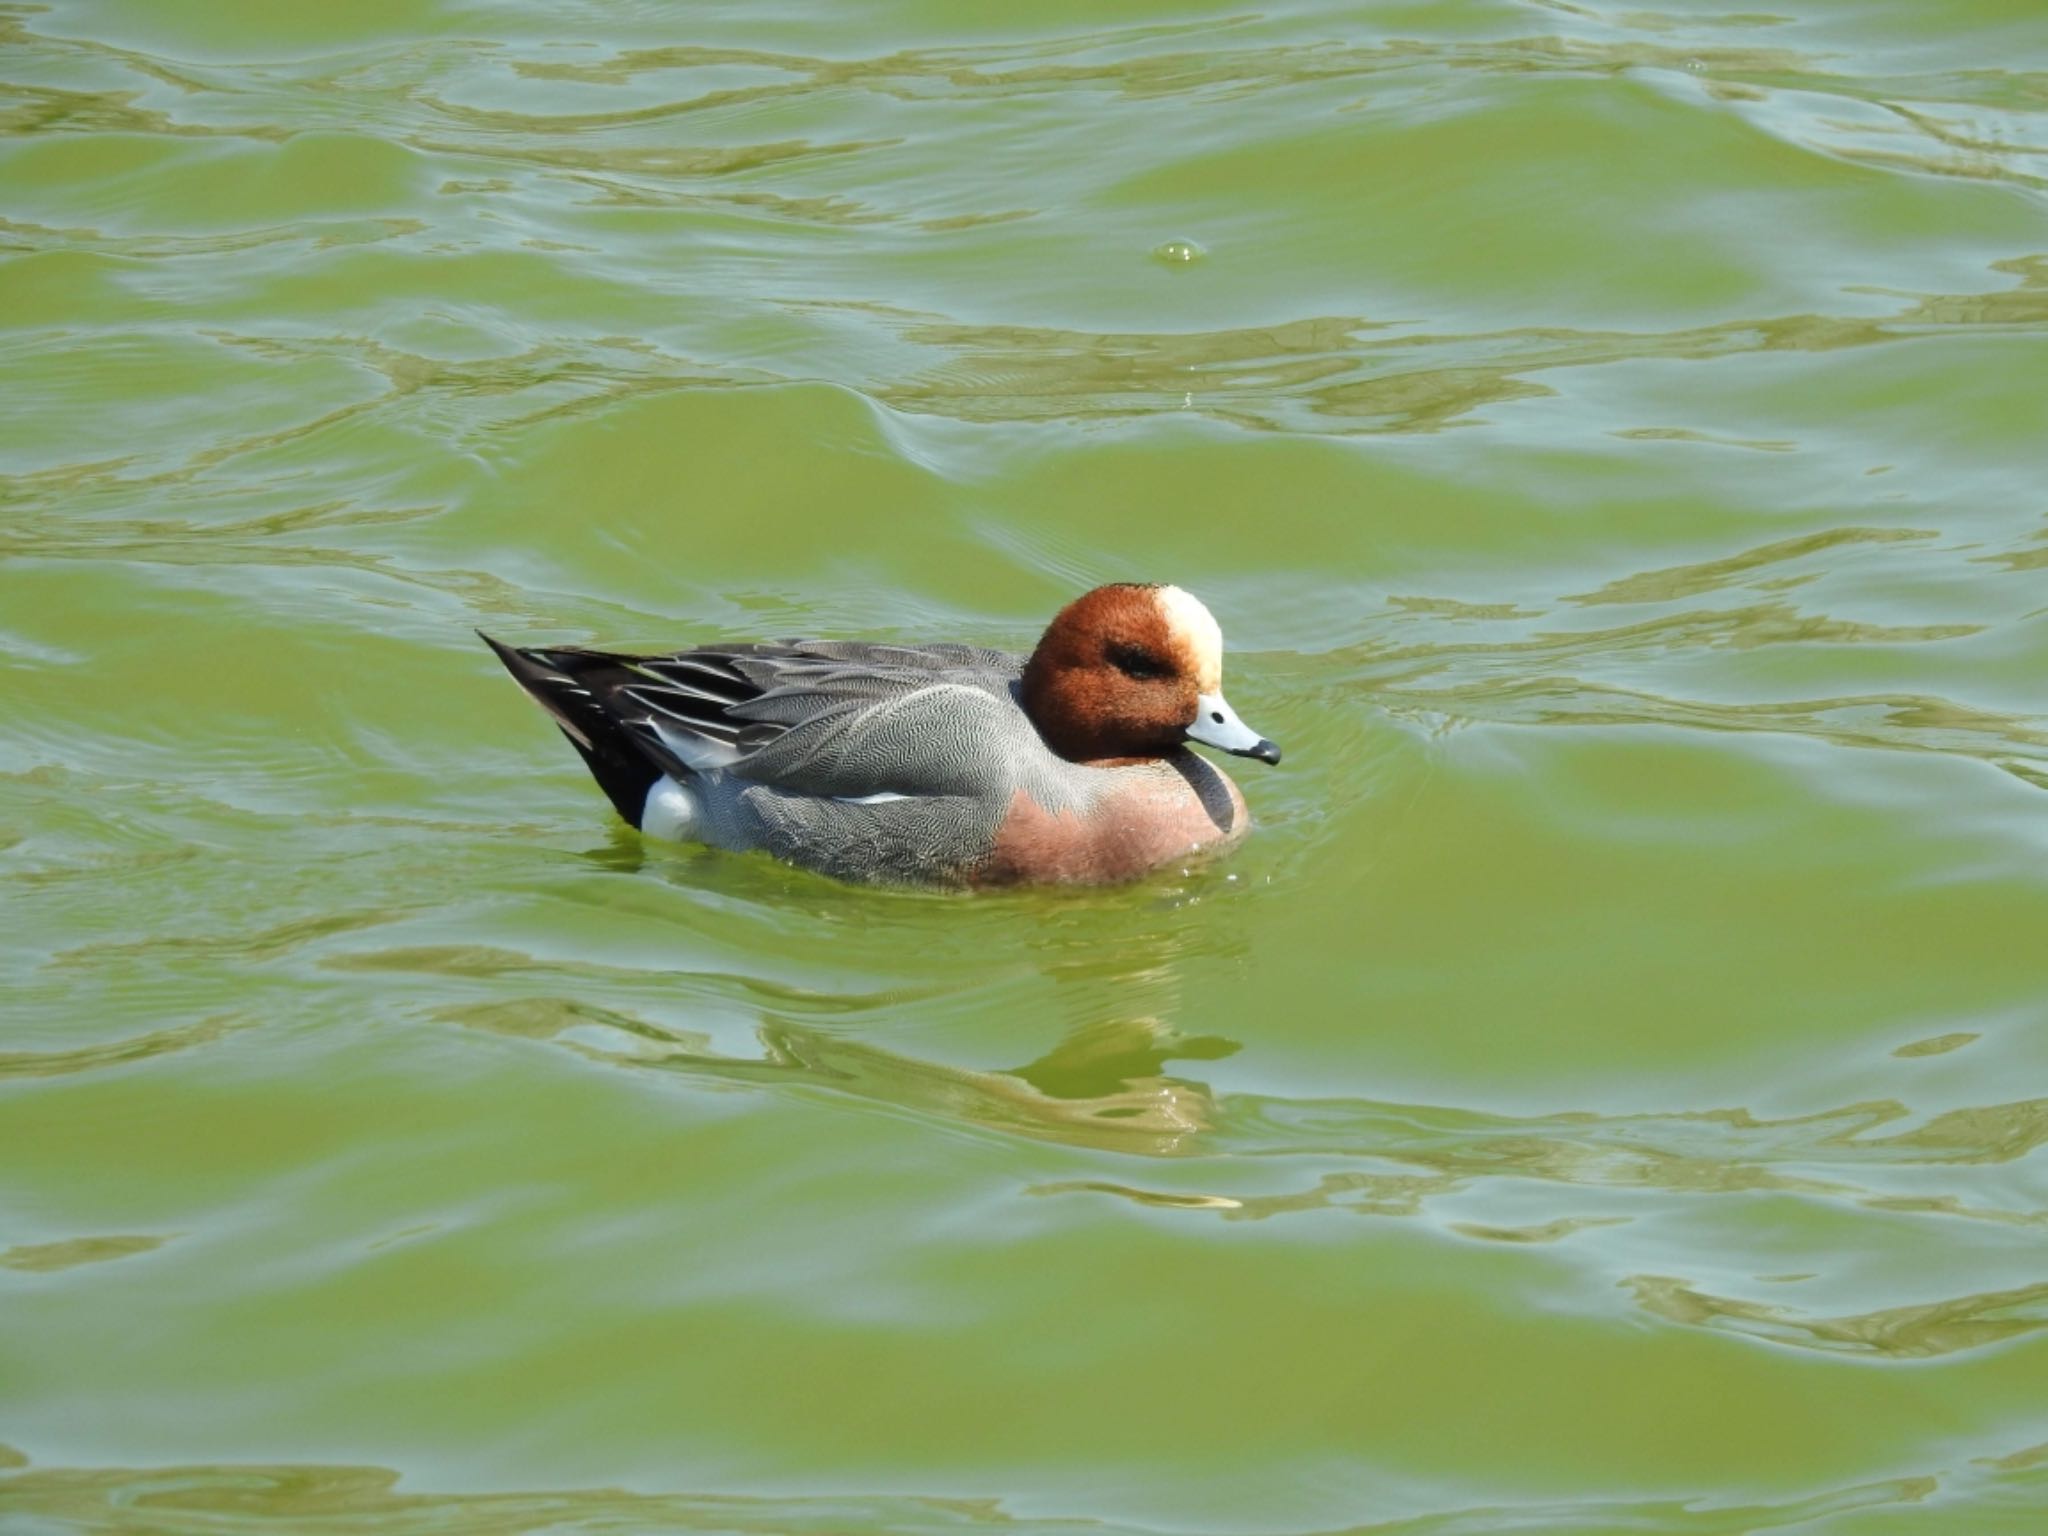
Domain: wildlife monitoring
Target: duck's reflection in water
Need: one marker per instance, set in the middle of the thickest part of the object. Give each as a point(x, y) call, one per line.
point(1103, 1084)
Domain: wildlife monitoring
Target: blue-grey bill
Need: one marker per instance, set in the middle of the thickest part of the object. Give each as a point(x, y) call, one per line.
point(1216, 725)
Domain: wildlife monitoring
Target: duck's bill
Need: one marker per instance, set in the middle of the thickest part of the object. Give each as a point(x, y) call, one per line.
point(1216, 725)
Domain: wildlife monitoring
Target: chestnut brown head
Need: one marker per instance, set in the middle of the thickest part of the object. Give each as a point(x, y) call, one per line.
point(1134, 671)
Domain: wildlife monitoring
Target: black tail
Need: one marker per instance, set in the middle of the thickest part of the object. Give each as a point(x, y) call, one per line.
point(568, 684)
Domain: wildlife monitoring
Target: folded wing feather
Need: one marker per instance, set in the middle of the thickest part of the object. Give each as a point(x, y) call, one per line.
point(838, 719)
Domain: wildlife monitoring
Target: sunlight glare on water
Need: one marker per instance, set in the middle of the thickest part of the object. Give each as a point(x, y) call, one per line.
point(1608, 1092)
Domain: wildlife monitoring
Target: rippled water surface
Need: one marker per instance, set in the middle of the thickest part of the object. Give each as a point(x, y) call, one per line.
point(1609, 1091)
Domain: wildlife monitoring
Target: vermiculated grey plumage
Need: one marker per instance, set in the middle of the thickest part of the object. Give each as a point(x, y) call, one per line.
point(791, 740)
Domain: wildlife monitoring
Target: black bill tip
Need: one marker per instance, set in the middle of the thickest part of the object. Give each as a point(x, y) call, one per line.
point(1265, 751)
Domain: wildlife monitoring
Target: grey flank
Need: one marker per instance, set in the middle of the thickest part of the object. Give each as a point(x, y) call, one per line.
point(939, 725)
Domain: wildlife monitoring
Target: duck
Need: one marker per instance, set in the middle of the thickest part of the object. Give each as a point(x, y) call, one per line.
point(942, 765)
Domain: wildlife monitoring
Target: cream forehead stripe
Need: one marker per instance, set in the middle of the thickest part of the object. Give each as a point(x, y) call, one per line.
point(1190, 621)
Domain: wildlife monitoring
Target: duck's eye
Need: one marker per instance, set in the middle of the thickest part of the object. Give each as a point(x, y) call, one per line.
point(1134, 661)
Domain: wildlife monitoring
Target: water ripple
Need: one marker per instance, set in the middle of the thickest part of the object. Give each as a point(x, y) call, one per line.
point(1917, 1332)
point(119, 1053)
point(1342, 375)
point(332, 1499)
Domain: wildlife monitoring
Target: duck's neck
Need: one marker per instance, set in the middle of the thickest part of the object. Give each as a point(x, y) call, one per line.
point(1076, 724)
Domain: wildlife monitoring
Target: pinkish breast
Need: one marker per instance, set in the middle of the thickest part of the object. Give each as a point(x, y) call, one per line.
point(1146, 816)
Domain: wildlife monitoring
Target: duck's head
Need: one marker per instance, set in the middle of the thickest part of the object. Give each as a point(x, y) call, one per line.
point(1134, 671)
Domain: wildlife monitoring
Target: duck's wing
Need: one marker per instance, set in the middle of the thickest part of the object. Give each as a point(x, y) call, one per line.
point(840, 719)
point(852, 731)
point(854, 721)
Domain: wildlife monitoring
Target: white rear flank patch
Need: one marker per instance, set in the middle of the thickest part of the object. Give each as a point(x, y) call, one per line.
point(1196, 627)
point(670, 812)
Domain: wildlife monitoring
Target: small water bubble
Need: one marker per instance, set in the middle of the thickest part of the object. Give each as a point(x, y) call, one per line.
point(1695, 66)
point(1178, 253)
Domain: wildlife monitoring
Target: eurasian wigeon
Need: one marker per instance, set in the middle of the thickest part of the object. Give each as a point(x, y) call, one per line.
point(928, 765)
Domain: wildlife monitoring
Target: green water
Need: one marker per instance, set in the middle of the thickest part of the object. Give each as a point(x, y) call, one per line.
point(1607, 1093)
